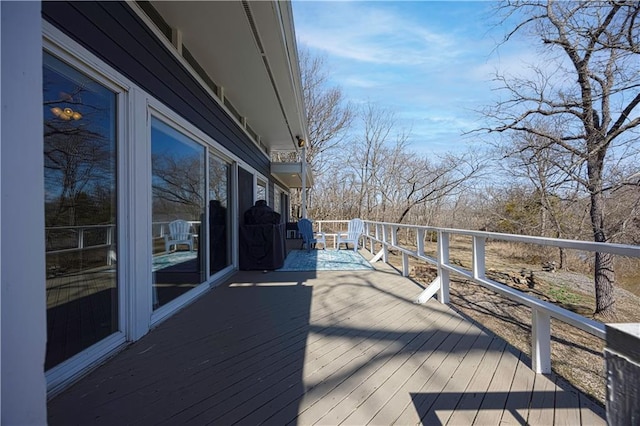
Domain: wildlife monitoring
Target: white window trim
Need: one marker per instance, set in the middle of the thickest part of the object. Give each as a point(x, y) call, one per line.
point(165, 115)
point(60, 46)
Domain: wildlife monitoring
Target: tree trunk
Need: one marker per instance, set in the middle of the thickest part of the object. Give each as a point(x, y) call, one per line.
point(605, 278)
point(604, 274)
point(563, 259)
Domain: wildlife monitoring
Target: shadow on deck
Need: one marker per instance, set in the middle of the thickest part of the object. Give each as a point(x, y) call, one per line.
point(319, 347)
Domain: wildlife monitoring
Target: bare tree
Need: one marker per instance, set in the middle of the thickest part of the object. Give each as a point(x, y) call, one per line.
point(593, 89)
point(551, 174)
point(328, 114)
point(365, 152)
point(79, 160)
point(328, 117)
point(390, 179)
point(177, 182)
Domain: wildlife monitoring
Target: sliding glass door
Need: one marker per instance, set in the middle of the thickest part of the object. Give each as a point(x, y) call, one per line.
point(80, 176)
point(178, 197)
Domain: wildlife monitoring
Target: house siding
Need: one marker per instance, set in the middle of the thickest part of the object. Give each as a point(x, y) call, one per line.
point(114, 33)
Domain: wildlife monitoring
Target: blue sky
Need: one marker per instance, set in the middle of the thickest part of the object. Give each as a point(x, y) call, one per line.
point(430, 62)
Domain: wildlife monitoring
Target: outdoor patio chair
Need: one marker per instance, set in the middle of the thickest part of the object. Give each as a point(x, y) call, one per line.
point(179, 233)
point(354, 231)
point(305, 228)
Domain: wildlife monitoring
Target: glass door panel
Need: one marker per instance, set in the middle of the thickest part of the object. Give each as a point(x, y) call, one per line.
point(178, 191)
point(80, 177)
point(219, 217)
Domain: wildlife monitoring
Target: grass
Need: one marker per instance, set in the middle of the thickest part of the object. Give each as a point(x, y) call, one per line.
point(563, 296)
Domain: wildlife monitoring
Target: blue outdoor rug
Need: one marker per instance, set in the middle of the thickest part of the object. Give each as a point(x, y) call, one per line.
point(171, 259)
point(325, 260)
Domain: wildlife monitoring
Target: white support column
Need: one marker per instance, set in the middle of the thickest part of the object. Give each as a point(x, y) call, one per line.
point(443, 258)
point(303, 161)
point(139, 249)
point(22, 270)
point(540, 341)
point(394, 235)
point(478, 257)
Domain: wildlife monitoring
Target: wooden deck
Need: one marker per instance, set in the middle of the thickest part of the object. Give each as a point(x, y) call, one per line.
point(319, 348)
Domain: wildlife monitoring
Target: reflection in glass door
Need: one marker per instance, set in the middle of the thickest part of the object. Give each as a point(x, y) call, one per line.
point(219, 217)
point(178, 190)
point(80, 174)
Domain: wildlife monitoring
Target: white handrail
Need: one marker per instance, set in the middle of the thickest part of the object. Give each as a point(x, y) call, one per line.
point(385, 233)
point(109, 237)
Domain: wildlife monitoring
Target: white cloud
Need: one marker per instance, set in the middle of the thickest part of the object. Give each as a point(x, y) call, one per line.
point(431, 63)
point(369, 33)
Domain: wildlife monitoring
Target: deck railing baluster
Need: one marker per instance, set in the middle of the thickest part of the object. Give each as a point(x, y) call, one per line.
point(540, 341)
point(385, 250)
point(420, 241)
point(443, 260)
point(478, 257)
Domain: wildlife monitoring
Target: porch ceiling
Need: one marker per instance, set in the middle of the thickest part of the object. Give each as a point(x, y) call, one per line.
point(249, 49)
point(291, 174)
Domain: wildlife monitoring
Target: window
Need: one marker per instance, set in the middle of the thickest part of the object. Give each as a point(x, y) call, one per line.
point(178, 194)
point(261, 191)
point(277, 200)
point(80, 175)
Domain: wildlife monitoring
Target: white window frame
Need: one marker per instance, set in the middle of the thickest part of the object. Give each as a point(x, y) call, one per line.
point(158, 111)
point(59, 45)
point(259, 179)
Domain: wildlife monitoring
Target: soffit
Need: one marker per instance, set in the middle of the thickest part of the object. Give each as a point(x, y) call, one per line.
point(290, 174)
point(248, 48)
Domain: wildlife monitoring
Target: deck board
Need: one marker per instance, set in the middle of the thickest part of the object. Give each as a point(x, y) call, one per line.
point(468, 406)
point(542, 401)
point(319, 348)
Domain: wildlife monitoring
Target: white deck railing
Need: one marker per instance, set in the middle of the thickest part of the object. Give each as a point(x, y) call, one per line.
point(76, 239)
point(385, 235)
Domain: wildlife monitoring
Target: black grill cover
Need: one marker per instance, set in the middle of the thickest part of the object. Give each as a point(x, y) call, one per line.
point(262, 247)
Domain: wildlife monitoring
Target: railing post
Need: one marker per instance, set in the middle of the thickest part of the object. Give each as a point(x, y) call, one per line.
point(385, 252)
point(405, 264)
point(110, 253)
point(81, 238)
point(394, 235)
point(540, 341)
point(443, 259)
point(478, 257)
point(367, 233)
point(420, 241)
point(373, 241)
point(622, 358)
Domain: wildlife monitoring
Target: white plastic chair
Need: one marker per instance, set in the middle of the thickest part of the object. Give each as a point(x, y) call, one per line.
point(305, 228)
point(179, 233)
point(354, 231)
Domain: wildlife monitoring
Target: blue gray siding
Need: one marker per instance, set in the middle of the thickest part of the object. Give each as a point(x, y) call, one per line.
point(114, 33)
